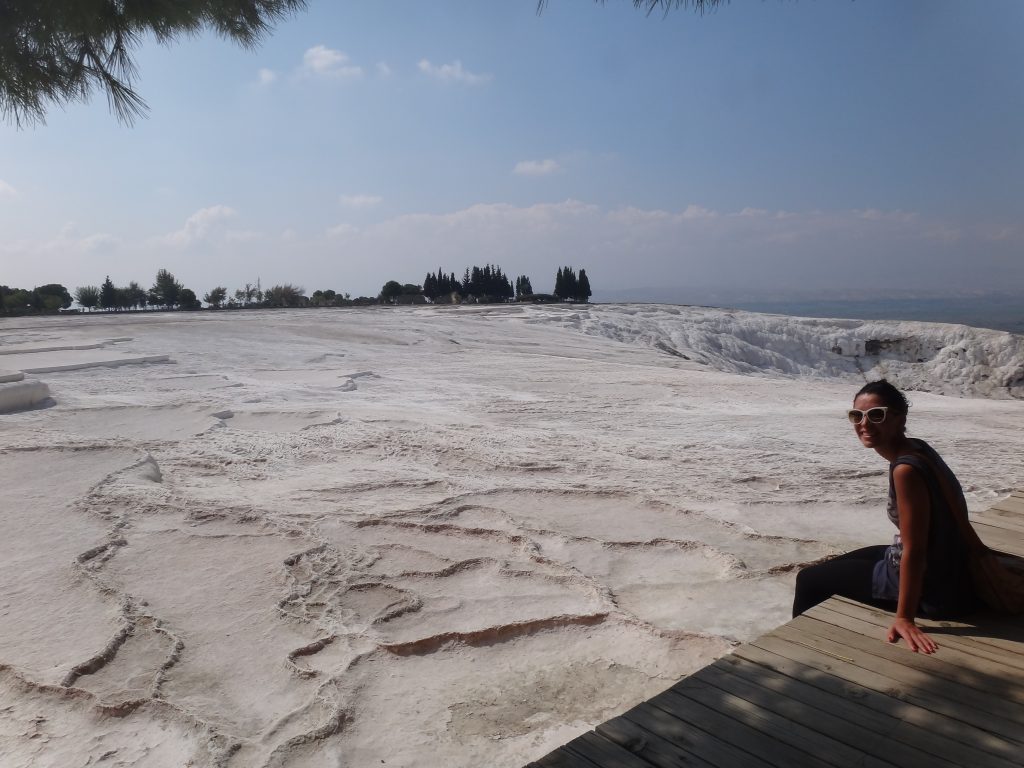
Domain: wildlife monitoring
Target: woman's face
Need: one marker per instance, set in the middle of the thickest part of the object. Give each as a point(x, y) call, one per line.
point(877, 435)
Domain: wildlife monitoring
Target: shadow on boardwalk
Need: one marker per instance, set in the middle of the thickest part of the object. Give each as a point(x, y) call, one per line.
point(827, 690)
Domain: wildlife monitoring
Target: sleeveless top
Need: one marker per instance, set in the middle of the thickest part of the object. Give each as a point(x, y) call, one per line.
point(947, 590)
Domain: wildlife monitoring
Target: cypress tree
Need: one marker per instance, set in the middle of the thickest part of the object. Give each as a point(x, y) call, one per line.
point(108, 294)
point(583, 287)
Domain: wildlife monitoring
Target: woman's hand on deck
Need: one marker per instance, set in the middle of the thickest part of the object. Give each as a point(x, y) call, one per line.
point(916, 639)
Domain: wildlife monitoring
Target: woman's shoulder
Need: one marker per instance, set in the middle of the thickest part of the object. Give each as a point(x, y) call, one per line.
point(917, 452)
point(916, 458)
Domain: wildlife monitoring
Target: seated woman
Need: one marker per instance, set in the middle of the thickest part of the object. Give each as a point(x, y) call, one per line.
point(925, 572)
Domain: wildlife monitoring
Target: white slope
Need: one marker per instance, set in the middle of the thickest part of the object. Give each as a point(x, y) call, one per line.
point(932, 357)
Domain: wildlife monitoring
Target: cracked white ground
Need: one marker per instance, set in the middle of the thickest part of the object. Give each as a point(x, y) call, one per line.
point(433, 536)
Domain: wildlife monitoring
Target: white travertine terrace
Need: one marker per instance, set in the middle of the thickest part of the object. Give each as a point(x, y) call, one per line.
point(434, 536)
point(18, 393)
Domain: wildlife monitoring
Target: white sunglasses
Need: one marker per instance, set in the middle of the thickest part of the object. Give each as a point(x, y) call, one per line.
point(875, 415)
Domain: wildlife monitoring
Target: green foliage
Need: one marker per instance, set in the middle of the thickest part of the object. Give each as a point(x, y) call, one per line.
point(136, 295)
point(88, 296)
point(249, 294)
point(108, 294)
point(59, 51)
point(440, 287)
point(523, 287)
point(583, 292)
point(216, 296)
point(650, 6)
point(486, 285)
point(165, 291)
point(15, 301)
point(390, 292)
point(539, 298)
point(187, 299)
point(52, 296)
point(570, 287)
point(286, 295)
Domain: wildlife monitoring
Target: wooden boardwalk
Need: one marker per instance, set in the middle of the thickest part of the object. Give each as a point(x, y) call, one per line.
point(826, 690)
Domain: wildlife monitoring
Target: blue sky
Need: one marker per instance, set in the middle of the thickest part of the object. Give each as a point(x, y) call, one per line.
point(765, 148)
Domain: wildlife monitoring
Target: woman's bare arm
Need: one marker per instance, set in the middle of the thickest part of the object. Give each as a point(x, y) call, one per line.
point(914, 506)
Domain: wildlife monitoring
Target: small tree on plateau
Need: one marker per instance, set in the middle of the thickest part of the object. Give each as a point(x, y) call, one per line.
point(583, 292)
point(566, 284)
point(51, 297)
point(216, 296)
point(165, 290)
point(390, 292)
point(108, 294)
point(187, 299)
point(88, 296)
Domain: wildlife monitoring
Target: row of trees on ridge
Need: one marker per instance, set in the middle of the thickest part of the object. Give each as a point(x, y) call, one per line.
point(483, 285)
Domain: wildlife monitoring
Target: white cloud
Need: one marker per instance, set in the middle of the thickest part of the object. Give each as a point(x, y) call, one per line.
point(198, 226)
point(266, 76)
point(1003, 233)
point(383, 69)
point(452, 72)
point(360, 201)
point(698, 212)
point(6, 190)
point(535, 167)
point(242, 236)
point(341, 230)
point(327, 62)
point(874, 214)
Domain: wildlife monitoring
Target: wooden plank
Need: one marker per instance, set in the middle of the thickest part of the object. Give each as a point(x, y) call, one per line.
point(605, 753)
point(1011, 662)
point(563, 758)
point(987, 526)
point(972, 684)
point(996, 639)
point(999, 539)
point(666, 742)
point(1011, 504)
point(744, 742)
point(821, 748)
point(999, 518)
point(823, 718)
point(1001, 630)
point(875, 729)
point(908, 685)
point(938, 724)
point(1006, 523)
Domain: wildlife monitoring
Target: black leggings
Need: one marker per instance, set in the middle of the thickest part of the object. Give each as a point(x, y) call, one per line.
point(848, 575)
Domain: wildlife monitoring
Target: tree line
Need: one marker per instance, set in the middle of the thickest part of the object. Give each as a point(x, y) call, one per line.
point(481, 285)
point(486, 285)
point(43, 298)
